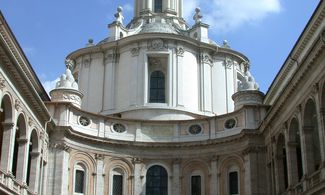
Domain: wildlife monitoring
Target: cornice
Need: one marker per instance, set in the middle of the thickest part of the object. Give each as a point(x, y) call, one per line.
point(150, 36)
point(21, 72)
point(69, 133)
point(293, 86)
point(296, 53)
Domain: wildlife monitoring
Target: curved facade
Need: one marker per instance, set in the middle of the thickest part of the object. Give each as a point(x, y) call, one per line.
point(157, 108)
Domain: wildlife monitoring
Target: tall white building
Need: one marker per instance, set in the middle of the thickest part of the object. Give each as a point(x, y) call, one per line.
point(158, 108)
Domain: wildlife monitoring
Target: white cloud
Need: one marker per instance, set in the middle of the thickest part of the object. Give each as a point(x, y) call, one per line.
point(49, 85)
point(228, 15)
point(128, 8)
point(29, 50)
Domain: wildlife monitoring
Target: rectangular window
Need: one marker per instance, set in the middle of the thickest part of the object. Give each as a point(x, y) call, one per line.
point(158, 6)
point(233, 183)
point(117, 184)
point(196, 185)
point(79, 181)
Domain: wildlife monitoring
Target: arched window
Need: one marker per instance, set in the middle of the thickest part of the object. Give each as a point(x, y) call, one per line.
point(156, 181)
point(33, 161)
point(157, 87)
point(2, 120)
point(311, 137)
point(117, 182)
point(158, 6)
point(281, 163)
point(19, 148)
point(79, 179)
point(294, 151)
point(195, 185)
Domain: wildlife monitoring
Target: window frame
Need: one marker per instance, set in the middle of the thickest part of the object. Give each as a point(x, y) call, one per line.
point(197, 173)
point(80, 167)
point(118, 171)
point(230, 170)
point(164, 67)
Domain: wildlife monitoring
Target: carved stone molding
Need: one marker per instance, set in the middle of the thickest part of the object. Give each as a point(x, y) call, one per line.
point(61, 146)
point(111, 57)
point(2, 83)
point(30, 121)
point(323, 36)
point(157, 45)
point(228, 63)
point(135, 51)
point(87, 62)
point(206, 58)
point(99, 156)
point(35, 154)
point(17, 104)
point(70, 64)
point(254, 149)
point(137, 160)
point(22, 141)
point(180, 51)
point(315, 88)
point(8, 125)
point(177, 161)
point(245, 64)
point(155, 61)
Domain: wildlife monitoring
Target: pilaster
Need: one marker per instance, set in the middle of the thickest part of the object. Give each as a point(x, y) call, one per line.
point(137, 177)
point(176, 178)
point(22, 160)
point(100, 175)
point(7, 146)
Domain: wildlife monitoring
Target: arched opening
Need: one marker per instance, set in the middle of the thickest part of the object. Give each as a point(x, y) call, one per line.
point(157, 87)
point(312, 143)
point(158, 6)
point(19, 148)
point(33, 161)
point(323, 106)
point(295, 155)
point(282, 169)
point(5, 116)
point(156, 181)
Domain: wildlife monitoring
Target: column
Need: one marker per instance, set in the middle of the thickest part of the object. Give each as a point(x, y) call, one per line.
point(206, 83)
point(109, 82)
point(180, 80)
point(58, 178)
point(22, 160)
point(100, 175)
point(34, 171)
point(176, 178)
point(255, 173)
point(137, 177)
point(307, 150)
point(7, 147)
point(214, 178)
point(291, 148)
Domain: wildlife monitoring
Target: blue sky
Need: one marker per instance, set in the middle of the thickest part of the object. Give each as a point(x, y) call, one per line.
point(264, 30)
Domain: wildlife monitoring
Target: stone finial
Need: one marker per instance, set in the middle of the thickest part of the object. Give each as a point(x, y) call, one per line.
point(197, 16)
point(225, 44)
point(90, 42)
point(67, 81)
point(248, 83)
point(69, 63)
point(118, 15)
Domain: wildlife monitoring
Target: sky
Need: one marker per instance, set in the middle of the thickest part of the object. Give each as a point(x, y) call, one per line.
point(263, 30)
